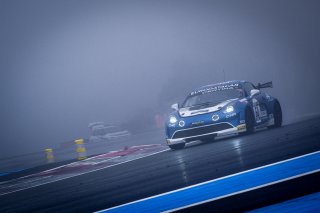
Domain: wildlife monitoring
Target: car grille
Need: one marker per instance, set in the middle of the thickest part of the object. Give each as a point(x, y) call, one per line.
point(201, 130)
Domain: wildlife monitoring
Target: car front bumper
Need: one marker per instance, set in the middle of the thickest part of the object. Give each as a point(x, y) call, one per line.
point(222, 133)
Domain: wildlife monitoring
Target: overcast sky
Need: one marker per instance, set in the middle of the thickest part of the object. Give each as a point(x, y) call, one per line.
point(67, 63)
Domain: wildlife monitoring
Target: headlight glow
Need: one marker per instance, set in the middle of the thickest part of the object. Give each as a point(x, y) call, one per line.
point(229, 109)
point(173, 120)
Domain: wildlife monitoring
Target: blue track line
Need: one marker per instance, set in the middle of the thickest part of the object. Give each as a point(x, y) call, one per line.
point(3, 174)
point(308, 203)
point(226, 186)
point(10, 172)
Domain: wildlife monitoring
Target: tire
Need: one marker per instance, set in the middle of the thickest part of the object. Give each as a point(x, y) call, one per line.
point(277, 115)
point(177, 146)
point(249, 119)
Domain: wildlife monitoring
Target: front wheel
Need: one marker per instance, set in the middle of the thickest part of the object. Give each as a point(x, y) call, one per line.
point(177, 146)
point(249, 120)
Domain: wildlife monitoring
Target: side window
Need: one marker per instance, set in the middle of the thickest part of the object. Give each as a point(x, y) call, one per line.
point(247, 88)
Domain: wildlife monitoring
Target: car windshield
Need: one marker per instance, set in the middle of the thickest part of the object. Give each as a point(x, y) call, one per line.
point(99, 131)
point(212, 98)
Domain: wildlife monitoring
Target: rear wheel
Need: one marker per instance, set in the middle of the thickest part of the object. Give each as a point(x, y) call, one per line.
point(177, 146)
point(277, 115)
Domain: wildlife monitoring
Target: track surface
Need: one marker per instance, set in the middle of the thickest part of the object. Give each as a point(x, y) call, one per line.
point(166, 171)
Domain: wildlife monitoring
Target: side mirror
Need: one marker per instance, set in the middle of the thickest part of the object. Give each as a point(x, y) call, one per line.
point(175, 107)
point(254, 92)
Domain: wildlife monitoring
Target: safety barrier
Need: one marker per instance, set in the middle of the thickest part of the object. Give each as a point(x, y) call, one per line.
point(81, 149)
point(50, 156)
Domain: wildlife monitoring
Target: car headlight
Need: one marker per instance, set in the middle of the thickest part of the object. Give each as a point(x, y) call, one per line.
point(229, 109)
point(173, 119)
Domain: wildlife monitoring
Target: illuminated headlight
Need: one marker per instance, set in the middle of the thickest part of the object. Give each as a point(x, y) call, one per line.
point(229, 109)
point(173, 120)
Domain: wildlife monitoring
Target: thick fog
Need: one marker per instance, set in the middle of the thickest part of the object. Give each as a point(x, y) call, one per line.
point(65, 64)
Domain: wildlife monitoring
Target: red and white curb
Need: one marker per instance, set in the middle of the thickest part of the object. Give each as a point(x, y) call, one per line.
point(92, 164)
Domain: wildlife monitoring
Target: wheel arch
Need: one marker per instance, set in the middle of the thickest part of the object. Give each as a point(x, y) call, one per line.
point(244, 110)
point(275, 101)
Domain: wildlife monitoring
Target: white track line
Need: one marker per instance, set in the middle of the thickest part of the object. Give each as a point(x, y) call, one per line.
point(199, 184)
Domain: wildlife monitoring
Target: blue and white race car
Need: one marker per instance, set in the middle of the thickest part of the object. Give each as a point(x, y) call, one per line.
point(223, 109)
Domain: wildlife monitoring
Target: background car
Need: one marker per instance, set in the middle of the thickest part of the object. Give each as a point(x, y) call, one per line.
point(99, 131)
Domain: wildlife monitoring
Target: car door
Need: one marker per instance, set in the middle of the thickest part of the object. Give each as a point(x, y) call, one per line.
point(257, 102)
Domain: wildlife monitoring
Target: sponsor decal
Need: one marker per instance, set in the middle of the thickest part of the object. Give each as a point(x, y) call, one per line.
point(241, 127)
point(231, 115)
point(198, 123)
point(215, 88)
point(256, 110)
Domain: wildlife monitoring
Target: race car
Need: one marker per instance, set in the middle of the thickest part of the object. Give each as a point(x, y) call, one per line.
point(220, 110)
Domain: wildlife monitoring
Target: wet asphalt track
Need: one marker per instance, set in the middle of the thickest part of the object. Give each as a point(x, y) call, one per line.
point(166, 171)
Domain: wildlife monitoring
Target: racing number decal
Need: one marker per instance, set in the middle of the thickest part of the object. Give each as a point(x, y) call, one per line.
point(256, 110)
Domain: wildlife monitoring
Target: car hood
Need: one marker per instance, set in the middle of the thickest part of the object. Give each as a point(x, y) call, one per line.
point(190, 111)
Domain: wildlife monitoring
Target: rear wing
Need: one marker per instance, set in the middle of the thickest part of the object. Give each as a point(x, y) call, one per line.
point(265, 85)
